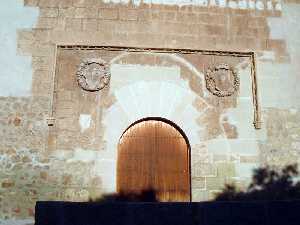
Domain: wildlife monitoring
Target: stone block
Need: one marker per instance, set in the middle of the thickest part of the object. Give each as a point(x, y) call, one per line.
point(48, 12)
point(86, 13)
point(47, 23)
point(144, 15)
point(170, 16)
point(36, 49)
point(157, 15)
point(200, 158)
point(87, 3)
point(31, 2)
point(66, 105)
point(42, 35)
point(108, 13)
point(7, 183)
point(107, 26)
point(198, 183)
point(205, 42)
point(55, 3)
point(43, 75)
point(213, 194)
point(199, 195)
point(278, 45)
point(220, 158)
point(128, 14)
point(95, 192)
point(259, 33)
point(215, 183)
point(203, 18)
point(89, 24)
point(226, 169)
point(41, 88)
point(42, 63)
point(204, 170)
point(71, 194)
point(187, 18)
point(66, 12)
point(215, 30)
point(66, 95)
point(64, 113)
point(257, 22)
point(249, 158)
point(239, 20)
point(26, 36)
point(230, 130)
point(257, 43)
point(96, 182)
point(73, 24)
point(217, 19)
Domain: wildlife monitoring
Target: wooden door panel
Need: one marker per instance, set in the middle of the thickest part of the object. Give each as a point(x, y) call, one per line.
point(153, 155)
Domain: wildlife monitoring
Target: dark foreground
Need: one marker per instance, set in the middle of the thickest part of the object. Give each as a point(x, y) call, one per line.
point(208, 213)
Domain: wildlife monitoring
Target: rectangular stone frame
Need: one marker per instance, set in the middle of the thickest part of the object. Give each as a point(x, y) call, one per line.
point(257, 122)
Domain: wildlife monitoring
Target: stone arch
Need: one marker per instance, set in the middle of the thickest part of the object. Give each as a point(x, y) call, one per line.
point(134, 95)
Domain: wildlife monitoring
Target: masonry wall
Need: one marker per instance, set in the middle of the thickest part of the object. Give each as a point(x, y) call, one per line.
point(225, 146)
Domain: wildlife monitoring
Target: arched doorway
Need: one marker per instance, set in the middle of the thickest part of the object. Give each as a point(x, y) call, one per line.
point(154, 154)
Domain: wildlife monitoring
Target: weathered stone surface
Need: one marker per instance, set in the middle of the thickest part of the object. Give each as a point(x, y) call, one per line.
point(283, 133)
point(215, 183)
point(198, 183)
point(75, 159)
point(48, 12)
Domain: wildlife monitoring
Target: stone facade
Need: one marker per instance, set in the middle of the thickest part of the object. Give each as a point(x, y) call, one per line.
point(59, 141)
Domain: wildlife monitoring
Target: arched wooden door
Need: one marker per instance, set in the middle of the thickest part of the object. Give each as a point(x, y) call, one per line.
point(154, 155)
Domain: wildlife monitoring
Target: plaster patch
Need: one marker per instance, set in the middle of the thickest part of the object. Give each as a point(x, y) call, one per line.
point(174, 57)
point(222, 3)
point(277, 28)
point(243, 4)
point(293, 111)
point(269, 5)
point(16, 71)
point(107, 168)
point(267, 56)
point(83, 155)
point(243, 146)
point(245, 170)
point(251, 4)
point(218, 146)
point(61, 154)
point(274, 76)
point(232, 4)
point(278, 6)
point(192, 68)
point(260, 5)
point(16, 222)
point(84, 122)
point(296, 145)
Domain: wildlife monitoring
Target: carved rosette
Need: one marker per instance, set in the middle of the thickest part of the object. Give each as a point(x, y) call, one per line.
point(93, 74)
point(211, 83)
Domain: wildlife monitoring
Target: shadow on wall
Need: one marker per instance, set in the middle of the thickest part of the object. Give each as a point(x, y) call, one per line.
point(267, 185)
point(144, 196)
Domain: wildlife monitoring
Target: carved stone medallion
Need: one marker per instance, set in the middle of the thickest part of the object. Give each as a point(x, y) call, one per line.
point(93, 74)
point(222, 80)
